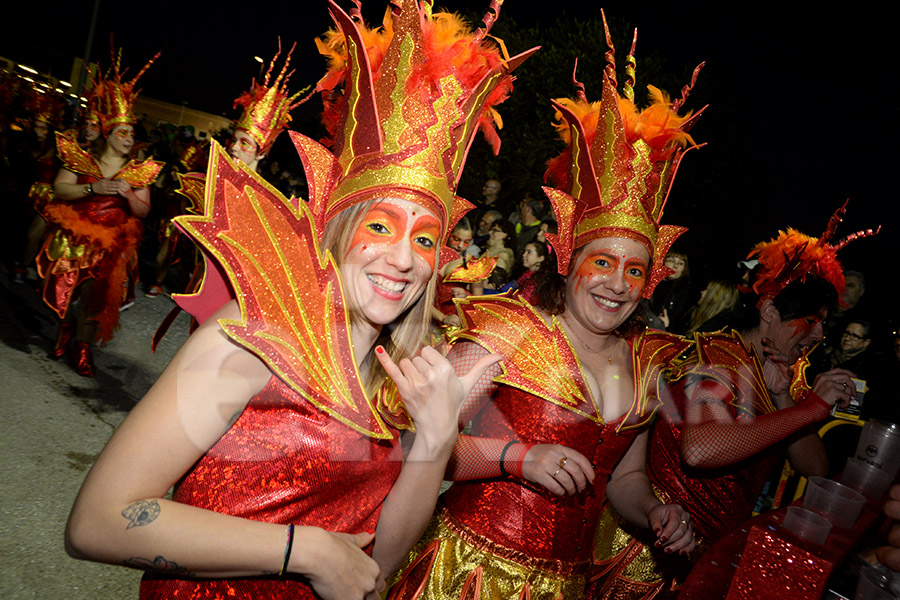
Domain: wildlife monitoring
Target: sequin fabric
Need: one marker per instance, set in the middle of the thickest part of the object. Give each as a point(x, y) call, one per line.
point(515, 527)
point(284, 461)
point(717, 499)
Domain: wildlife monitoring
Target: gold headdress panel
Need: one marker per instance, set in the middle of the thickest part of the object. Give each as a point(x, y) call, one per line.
point(267, 108)
point(414, 93)
point(618, 168)
point(113, 99)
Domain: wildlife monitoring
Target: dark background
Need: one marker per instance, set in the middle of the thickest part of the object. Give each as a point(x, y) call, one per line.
point(802, 113)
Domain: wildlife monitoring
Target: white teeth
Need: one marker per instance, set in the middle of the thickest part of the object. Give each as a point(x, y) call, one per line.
point(607, 302)
point(386, 284)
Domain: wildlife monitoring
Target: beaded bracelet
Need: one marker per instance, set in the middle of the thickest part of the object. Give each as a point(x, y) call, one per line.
point(287, 550)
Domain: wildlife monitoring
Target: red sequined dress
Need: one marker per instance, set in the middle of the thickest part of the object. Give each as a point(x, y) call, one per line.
point(311, 448)
point(722, 370)
point(504, 536)
point(284, 461)
point(96, 238)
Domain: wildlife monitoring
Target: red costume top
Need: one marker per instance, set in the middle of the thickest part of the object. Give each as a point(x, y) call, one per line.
point(503, 530)
point(723, 371)
point(284, 461)
point(95, 238)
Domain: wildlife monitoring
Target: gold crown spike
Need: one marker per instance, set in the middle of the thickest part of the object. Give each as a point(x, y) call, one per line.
point(617, 171)
point(267, 107)
point(414, 93)
point(112, 98)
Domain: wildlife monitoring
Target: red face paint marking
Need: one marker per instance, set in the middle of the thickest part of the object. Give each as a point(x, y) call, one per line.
point(603, 262)
point(386, 224)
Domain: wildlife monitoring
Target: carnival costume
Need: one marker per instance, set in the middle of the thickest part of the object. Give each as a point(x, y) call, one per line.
point(312, 448)
point(721, 370)
point(497, 535)
point(96, 237)
point(47, 108)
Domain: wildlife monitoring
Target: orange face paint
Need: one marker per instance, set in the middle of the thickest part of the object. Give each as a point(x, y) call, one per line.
point(386, 224)
point(604, 262)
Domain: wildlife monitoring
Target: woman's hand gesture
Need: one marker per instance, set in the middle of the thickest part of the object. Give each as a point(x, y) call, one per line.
point(432, 393)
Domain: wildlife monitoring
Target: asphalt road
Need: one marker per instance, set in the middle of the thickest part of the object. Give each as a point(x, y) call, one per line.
point(53, 424)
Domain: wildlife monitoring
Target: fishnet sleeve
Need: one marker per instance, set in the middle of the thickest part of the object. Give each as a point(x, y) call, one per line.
point(476, 457)
point(714, 438)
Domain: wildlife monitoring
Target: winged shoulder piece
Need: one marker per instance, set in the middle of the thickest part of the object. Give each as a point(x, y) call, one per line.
point(652, 353)
point(539, 358)
point(76, 159)
point(293, 313)
point(725, 357)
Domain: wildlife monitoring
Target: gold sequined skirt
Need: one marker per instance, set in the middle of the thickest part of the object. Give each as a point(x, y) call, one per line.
point(451, 561)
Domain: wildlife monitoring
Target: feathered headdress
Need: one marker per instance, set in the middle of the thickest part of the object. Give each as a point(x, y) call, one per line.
point(112, 98)
point(267, 108)
point(402, 104)
point(793, 256)
point(614, 177)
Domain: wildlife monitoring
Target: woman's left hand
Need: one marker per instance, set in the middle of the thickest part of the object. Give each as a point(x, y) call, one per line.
point(672, 526)
point(432, 393)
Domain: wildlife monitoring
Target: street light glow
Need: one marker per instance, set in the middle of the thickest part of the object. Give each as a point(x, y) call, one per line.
point(258, 59)
point(28, 69)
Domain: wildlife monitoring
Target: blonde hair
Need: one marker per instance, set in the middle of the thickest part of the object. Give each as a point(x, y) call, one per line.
point(720, 296)
point(402, 338)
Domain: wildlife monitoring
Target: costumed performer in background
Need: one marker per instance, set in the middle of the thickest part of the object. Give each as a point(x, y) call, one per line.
point(561, 422)
point(274, 422)
point(730, 416)
point(100, 199)
point(47, 107)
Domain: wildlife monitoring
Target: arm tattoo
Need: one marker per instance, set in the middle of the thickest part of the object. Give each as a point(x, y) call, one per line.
point(140, 513)
point(158, 564)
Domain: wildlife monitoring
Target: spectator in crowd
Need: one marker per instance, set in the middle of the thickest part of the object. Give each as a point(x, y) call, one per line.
point(848, 307)
point(482, 231)
point(531, 211)
point(714, 311)
point(674, 296)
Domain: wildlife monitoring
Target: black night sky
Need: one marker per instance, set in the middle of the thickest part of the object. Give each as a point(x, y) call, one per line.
point(803, 106)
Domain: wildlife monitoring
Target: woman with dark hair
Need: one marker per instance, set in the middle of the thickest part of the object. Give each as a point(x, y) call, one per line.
point(101, 199)
point(673, 298)
point(733, 412)
point(561, 423)
point(276, 423)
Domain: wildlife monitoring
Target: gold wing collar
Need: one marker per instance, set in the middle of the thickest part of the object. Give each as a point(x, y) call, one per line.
point(293, 314)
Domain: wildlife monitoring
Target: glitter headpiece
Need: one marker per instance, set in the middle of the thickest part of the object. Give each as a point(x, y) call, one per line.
point(267, 108)
point(414, 92)
point(793, 256)
point(618, 167)
point(195, 156)
point(113, 99)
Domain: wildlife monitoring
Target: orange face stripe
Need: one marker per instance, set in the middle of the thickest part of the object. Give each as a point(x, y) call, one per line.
point(386, 224)
point(589, 268)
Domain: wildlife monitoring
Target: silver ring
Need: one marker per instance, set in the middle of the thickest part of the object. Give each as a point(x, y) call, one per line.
point(684, 522)
point(844, 384)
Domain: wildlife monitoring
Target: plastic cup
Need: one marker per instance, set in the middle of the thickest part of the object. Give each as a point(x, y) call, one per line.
point(868, 480)
point(873, 585)
point(837, 503)
point(879, 445)
point(807, 524)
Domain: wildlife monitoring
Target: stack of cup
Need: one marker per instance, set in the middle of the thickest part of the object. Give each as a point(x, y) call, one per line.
point(806, 524)
point(867, 479)
point(834, 501)
point(879, 445)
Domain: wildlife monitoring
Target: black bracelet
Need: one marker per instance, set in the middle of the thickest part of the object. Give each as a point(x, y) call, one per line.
point(503, 456)
point(287, 550)
point(91, 189)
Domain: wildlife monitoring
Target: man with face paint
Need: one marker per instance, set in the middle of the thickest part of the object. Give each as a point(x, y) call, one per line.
point(733, 409)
